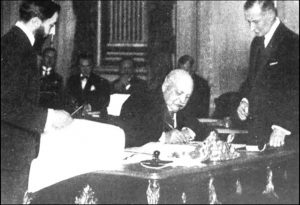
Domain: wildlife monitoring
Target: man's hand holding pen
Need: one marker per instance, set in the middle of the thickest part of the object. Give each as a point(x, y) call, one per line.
point(176, 136)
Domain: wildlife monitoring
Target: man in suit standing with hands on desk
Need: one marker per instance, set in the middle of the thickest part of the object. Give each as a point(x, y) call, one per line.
point(271, 91)
point(22, 120)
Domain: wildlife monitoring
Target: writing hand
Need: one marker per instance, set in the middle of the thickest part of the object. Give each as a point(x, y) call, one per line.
point(188, 133)
point(176, 137)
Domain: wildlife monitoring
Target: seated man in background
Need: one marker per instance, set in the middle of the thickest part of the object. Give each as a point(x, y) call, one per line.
point(128, 82)
point(198, 105)
point(88, 89)
point(156, 115)
point(51, 82)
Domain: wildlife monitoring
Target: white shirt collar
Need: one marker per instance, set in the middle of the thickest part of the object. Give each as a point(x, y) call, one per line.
point(28, 33)
point(271, 32)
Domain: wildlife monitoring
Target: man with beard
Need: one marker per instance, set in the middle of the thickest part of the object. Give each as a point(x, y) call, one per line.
point(22, 120)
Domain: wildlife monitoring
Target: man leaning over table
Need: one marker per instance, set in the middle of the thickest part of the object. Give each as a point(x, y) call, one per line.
point(22, 120)
point(271, 91)
point(156, 116)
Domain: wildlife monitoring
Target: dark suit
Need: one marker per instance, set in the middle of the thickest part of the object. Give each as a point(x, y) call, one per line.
point(136, 85)
point(198, 104)
point(272, 86)
point(96, 92)
point(144, 117)
point(51, 90)
point(22, 120)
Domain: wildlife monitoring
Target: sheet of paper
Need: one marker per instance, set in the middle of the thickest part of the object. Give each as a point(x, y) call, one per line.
point(83, 146)
point(115, 104)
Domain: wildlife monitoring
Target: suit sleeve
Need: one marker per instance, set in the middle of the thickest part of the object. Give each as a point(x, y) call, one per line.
point(103, 94)
point(284, 110)
point(19, 97)
point(140, 123)
point(191, 122)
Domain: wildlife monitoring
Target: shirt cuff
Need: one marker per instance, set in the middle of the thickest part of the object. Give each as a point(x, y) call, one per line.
point(49, 120)
point(285, 131)
point(191, 133)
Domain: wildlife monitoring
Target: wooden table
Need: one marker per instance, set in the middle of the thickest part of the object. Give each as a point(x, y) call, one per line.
point(167, 185)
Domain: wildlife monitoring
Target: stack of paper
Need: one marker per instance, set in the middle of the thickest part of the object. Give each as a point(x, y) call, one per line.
point(115, 104)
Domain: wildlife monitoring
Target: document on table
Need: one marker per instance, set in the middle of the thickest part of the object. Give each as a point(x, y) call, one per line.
point(145, 152)
point(116, 102)
point(83, 146)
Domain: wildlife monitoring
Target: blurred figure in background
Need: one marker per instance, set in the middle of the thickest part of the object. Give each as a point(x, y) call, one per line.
point(198, 105)
point(128, 82)
point(51, 81)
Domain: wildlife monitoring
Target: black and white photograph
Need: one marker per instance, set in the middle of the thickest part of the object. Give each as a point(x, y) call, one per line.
point(149, 102)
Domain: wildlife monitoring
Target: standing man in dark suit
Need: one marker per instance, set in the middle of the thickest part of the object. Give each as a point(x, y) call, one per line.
point(270, 93)
point(22, 120)
point(89, 89)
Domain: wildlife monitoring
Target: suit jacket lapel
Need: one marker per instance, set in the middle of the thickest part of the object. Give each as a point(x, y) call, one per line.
point(268, 52)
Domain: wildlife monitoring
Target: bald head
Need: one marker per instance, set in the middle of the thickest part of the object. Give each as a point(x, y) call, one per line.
point(177, 89)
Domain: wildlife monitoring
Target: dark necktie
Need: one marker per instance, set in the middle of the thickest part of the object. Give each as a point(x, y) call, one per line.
point(260, 51)
point(169, 121)
point(261, 41)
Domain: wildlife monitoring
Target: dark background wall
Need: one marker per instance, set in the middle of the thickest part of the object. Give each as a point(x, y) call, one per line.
point(213, 32)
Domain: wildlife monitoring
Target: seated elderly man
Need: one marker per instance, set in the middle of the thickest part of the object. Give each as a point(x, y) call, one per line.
point(156, 115)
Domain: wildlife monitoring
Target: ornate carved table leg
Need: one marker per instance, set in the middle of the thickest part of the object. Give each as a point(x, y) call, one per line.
point(212, 192)
point(86, 196)
point(183, 197)
point(28, 197)
point(270, 186)
point(239, 189)
point(153, 191)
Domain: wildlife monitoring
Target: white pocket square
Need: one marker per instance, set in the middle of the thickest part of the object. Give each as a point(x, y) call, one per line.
point(273, 63)
point(92, 88)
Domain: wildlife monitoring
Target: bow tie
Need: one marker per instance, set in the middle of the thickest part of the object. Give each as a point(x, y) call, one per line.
point(46, 71)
